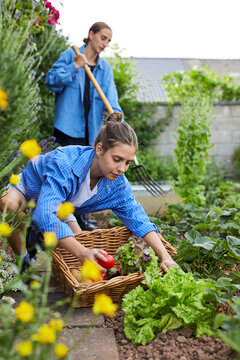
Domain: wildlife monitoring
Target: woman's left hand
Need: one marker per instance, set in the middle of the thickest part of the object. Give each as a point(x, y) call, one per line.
point(167, 264)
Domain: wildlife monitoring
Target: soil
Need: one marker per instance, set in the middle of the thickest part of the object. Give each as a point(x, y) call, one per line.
point(175, 344)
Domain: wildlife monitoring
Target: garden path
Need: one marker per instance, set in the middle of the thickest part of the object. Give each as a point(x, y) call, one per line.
point(98, 343)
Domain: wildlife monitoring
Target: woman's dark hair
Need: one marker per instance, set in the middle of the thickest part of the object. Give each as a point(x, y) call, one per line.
point(95, 28)
point(114, 132)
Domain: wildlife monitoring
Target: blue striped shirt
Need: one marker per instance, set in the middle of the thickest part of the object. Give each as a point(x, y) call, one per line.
point(57, 176)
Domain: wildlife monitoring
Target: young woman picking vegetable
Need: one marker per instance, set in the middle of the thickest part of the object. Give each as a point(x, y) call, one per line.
point(92, 179)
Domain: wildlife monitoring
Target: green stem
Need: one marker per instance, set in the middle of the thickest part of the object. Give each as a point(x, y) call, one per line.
point(7, 169)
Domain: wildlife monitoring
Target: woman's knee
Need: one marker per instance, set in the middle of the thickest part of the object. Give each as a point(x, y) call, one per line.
point(12, 201)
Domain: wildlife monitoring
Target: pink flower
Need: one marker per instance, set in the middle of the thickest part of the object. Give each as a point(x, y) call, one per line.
point(48, 5)
point(56, 15)
point(52, 21)
point(39, 20)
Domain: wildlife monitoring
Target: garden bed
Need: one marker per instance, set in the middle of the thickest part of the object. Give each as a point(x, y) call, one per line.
point(175, 344)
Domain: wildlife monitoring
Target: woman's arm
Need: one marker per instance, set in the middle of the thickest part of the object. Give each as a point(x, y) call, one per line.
point(153, 240)
point(63, 72)
point(81, 252)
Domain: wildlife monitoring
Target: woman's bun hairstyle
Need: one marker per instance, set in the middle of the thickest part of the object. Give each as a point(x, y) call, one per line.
point(115, 131)
point(116, 116)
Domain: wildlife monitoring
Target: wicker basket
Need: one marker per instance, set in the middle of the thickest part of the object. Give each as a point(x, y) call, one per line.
point(81, 294)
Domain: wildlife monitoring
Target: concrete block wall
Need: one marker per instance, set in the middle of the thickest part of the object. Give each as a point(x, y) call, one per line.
point(225, 132)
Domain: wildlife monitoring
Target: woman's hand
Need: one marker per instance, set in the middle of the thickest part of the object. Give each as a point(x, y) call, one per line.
point(167, 263)
point(81, 252)
point(80, 60)
point(94, 255)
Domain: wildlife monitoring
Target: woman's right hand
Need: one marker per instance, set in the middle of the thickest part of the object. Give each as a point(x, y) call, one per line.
point(94, 255)
point(80, 60)
point(80, 251)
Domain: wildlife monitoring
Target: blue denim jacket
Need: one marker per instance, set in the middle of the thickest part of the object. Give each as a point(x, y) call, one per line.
point(57, 176)
point(68, 83)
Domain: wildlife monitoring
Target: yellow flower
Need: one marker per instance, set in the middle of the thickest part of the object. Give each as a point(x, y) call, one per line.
point(103, 305)
point(25, 348)
point(46, 335)
point(5, 229)
point(3, 99)
point(90, 270)
point(61, 350)
point(14, 179)
point(31, 204)
point(30, 148)
point(50, 239)
point(24, 312)
point(56, 324)
point(35, 284)
point(65, 209)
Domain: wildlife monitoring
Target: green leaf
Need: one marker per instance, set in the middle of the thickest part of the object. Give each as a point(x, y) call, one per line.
point(232, 244)
point(231, 338)
point(230, 224)
point(223, 282)
point(197, 240)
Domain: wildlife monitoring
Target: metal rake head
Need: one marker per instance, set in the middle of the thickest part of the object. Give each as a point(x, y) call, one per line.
point(147, 181)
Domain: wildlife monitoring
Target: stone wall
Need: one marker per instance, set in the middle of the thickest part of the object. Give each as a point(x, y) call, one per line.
point(225, 132)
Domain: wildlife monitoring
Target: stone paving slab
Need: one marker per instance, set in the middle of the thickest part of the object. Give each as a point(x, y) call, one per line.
point(99, 344)
point(76, 317)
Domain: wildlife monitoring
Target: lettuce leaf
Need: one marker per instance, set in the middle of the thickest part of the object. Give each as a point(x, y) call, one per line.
point(170, 302)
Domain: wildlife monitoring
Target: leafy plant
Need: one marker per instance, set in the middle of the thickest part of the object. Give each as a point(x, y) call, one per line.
point(205, 255)
point(19, 77)
point(229, 326)
point(170, 302)
point(123, 75)
point(8, 272)
point(135, 256)
point(45, 114)
point(236, 162)
point(206, 237)
point(193, 147)
point(17, 80)
point(180, 85)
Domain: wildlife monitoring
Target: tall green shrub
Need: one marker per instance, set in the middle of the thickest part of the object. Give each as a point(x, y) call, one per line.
point(59, 43)
point(27, 39)
point(180, 84)
point(17, 80)
point(236, 163)
point(193, 147)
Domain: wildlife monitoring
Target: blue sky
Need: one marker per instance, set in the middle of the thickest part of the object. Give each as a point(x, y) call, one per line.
point(159, 28)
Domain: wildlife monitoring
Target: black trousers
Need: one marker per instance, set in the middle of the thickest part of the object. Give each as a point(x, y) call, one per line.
point(65, 140)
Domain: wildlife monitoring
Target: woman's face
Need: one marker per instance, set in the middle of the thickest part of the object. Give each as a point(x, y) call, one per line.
point(100, 40)
point(114, 162)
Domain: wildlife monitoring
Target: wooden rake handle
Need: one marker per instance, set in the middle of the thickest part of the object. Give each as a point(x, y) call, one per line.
point(95, 83)
point(99, 90)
